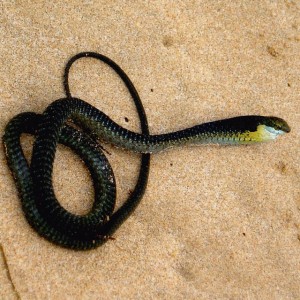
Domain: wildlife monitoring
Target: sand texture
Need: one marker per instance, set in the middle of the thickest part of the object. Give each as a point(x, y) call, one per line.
point(215, 222)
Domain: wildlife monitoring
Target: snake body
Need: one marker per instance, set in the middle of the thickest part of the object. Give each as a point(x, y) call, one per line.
point(34, 182)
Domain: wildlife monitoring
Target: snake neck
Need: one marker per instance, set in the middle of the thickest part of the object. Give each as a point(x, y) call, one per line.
point(234, 131)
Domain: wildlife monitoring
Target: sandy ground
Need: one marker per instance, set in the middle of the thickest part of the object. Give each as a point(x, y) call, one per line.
point(215, 222)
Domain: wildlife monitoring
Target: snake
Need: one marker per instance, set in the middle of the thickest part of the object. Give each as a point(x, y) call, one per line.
point(81, 127)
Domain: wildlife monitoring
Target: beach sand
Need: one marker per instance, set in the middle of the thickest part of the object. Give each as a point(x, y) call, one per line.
point(215, 222)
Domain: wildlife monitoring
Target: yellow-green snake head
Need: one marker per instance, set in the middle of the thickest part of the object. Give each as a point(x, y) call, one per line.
point(268, 129)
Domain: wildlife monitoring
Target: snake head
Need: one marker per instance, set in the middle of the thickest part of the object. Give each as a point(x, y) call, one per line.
point(253, 129)
point(271, 127)
point(277, 124)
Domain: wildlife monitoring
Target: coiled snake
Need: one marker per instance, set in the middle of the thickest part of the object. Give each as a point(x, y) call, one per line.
point(34, 182)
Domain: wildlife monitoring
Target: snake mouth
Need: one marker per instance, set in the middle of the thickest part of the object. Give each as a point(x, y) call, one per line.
point(274, 132)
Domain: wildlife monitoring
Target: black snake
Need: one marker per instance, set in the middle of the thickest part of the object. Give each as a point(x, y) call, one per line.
point(34, 182)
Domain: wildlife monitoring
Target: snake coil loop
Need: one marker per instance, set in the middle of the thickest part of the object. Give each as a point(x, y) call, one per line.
point(42, 210)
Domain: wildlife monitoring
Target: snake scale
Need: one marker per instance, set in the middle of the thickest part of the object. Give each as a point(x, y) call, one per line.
point(79, 126)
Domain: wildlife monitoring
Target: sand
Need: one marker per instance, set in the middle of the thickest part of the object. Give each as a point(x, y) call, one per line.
point(215, 222)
